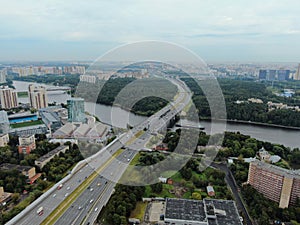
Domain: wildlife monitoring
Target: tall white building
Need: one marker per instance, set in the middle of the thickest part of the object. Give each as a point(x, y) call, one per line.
point(8, 98)
point(3, 74)
point(37, 96)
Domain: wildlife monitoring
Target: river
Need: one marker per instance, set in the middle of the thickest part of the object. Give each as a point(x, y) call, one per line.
point(122, 117)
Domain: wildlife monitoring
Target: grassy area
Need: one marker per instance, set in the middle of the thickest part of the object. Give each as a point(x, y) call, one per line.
point(135, 160)
point(22, 94)
point(56, 214)
point(139, 211)
point(26, 124)
point(154, 140)
point(169, 173)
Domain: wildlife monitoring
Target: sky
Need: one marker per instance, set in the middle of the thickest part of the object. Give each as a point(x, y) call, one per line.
point(216, 30)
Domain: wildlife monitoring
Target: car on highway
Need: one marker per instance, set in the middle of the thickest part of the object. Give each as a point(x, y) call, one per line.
point(79, 207)
point(59, 186)
point(96, 209)
point(66, 194)
point(91, 189)
point(68, 188)
point(91, 201)
point(54, 195)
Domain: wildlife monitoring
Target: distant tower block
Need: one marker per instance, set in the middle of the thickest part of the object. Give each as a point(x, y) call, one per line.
point(297, 75)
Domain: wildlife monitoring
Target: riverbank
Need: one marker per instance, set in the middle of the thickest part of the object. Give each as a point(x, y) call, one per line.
point(252, 123)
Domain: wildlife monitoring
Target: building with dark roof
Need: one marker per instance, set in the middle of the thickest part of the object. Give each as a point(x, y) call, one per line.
point(206, 212)
point(50, 118)
point(27, 171)
point(43, 160)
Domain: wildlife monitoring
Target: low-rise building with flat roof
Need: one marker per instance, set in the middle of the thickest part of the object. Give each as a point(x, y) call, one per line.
point(4, 139)
point(27, 171)
point(50, 118)
point(43, 160)
point(206, 212)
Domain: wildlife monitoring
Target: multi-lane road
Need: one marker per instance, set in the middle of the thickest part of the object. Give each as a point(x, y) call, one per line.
point(88, 204)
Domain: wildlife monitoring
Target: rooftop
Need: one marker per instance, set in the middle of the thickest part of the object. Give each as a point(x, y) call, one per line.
point(3, 117)
point(277, 169)
point(183, 209)
point(51, 153)
point(225, 211)
point(50, 116)
point(210, 211)
point(9, 166)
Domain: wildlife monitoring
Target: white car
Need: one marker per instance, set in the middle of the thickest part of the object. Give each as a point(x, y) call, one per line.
point(91, 201)
point(68, 188)
point(96, 209)
point(54, 195)
point(66, 194)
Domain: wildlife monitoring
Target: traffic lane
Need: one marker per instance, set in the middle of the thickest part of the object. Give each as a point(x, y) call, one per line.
point(82, 204)
point(92, 216)
point(51, 202)
point(69, 215)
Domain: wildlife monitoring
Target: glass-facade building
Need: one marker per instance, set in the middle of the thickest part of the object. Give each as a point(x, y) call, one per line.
point(76, 110)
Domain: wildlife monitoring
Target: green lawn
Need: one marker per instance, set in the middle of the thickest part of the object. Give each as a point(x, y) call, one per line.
point(139, 211)
point(26, 124)
point(22, 94)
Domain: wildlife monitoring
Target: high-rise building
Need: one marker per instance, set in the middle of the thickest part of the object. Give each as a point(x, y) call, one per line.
point(4, 122)
point(283, 75)
point(297, 75)
point(271, 75)
point(76, 110)
point(262, 74)
point(37, 96)
point(275, 183)
point(8, 98)
point(3, 74)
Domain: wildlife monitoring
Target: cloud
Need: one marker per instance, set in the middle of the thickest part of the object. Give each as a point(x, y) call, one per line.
point(184, 22)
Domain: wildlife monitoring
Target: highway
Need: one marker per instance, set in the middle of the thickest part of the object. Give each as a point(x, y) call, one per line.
point(88, 204)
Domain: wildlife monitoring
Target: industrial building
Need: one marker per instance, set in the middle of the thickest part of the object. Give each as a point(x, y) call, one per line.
point(206, 212)
point(95, 132)
point(275, 183)
point(50, 118)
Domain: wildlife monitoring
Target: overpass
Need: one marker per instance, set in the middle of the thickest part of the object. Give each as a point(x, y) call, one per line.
point(87, 204)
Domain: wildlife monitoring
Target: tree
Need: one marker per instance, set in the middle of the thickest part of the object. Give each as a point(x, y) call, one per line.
point(157, 188)
point(196, 196)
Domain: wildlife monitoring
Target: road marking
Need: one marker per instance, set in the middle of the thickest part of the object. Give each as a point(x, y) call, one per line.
point(63, 206)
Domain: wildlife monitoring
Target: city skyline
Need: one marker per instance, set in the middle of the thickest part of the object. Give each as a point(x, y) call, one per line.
point(216, 31)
